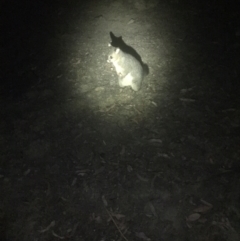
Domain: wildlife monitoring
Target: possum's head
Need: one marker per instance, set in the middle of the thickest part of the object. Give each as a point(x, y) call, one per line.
point(114, 56)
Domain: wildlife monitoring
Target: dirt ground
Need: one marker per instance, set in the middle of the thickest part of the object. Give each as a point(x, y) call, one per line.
point(85, 160)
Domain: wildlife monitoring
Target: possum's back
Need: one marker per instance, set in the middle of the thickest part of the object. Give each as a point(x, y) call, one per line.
point(128, 63)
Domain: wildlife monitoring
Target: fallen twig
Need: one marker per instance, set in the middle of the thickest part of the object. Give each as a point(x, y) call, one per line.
point(111, 217)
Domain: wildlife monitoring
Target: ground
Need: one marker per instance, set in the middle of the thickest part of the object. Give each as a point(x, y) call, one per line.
point(83, 159)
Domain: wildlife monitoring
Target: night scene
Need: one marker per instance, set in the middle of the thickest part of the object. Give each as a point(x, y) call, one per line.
point(120, 120)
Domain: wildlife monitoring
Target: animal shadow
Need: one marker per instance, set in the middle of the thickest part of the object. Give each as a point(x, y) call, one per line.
point(118, 42)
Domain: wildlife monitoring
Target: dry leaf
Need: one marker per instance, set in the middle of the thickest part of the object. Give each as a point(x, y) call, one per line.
point(163, 155)
point(27, 172)
point(187, 100)
point(52, 224)
point(129, 168)
point(142, 178)
point(118, 215)
point(206, 203)
point(202, 209)
point(193, 217)
point(189, 225)
point(154, 103)
point(82, 172)
point(155, 141)
point(74, 181)
point(131, 21)
point(98, 219)
point(122, 152)
point(202, 220)
point(150, 209)
point(73, 231)
point(142, 235)
point(104, 201)
point(57, 236)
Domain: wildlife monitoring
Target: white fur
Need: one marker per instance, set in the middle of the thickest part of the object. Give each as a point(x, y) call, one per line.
point(127, 80)
point(118, 68)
